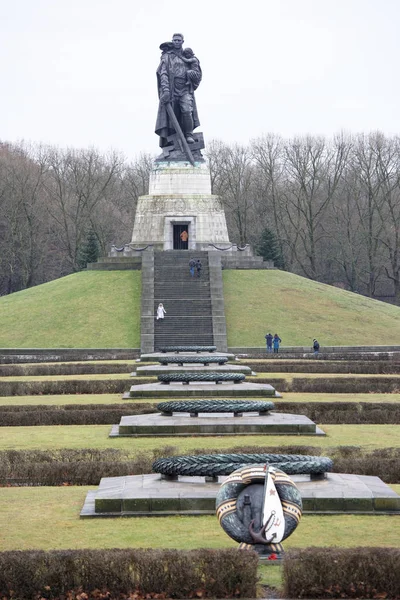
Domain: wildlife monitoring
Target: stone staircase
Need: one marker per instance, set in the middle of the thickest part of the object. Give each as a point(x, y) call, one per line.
point(186, 299)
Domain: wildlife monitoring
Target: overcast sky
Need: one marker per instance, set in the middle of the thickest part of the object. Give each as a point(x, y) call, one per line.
point(82, 72)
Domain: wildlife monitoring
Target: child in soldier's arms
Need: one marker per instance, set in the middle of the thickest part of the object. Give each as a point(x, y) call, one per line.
point(189, 58)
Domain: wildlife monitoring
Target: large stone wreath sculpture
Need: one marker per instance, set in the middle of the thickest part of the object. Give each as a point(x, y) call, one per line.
point(215, 406)
point(187, 348)
point(212, 465)
point(211, 376)
point(205, 359)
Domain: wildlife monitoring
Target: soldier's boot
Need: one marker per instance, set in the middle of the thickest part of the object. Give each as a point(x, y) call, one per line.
point(187, 127)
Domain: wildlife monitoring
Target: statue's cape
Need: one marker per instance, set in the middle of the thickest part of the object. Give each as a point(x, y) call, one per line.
point(163, 127)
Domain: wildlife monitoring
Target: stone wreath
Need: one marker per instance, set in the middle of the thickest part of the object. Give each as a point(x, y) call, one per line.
point(187, 377)
point(193, 359)
point(215, 406)
point(187, 349)
point(263, 498)
point(213, 465)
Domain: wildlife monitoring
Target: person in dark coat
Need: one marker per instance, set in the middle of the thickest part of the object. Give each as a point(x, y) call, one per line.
point(199, 266)
point(276, 341)
point(177, 80)
point(192, 266)
point(269, 339)
point(316, 347)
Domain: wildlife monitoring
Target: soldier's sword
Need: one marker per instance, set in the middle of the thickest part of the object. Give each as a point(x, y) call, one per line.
point(179, 131)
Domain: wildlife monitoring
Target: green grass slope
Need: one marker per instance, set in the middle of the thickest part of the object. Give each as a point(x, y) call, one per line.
point(91, 309)
point(299, 310)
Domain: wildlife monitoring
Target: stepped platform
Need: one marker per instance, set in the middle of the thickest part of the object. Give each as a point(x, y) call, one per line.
point(156, 356)
point(154, 370)
point(201, 390)
point(152, 495)
point(183, 424)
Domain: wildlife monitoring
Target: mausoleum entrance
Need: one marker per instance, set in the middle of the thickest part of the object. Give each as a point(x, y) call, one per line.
point(181, 236)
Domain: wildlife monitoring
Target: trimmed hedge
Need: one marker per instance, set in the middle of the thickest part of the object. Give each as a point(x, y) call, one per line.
point(334, 385)
point(70, 414)
point(72, 386)
point(347, 385)
point(69, 466)
point(334, 413)
point(87, 466)
point(344, 413)
point(324, 366)
point(64, 369)
point(65, 355)
point(117, 573)
point(309, 356)
point(342, 573)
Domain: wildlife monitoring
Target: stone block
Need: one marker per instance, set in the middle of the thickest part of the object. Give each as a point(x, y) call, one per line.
point(387, 504)
point(326, 504)
point(108, 505)
point(198, 504)
point(353, 505)
point(165, 504)
point(136, 505)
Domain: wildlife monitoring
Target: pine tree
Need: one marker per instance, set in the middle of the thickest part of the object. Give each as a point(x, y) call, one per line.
point(89, 252)
point(269, 249)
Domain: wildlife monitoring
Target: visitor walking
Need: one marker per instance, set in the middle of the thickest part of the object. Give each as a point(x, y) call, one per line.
point(192, 266)
point(269, 339)
point(316, 347)
point(198, 267)
point(276, 341)
point(161, 311)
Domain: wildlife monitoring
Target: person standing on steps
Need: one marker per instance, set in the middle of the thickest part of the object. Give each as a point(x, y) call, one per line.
point(192, 266)
point(199, 266)
point(316, 347)
point(276, 341)
point(161, 311)
point(269, 339)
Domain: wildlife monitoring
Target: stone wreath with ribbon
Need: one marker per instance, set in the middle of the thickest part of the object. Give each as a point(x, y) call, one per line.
point(259, 506)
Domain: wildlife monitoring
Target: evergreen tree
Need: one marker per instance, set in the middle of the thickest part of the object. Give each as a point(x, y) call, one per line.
point(89, 251)
point(268, 248)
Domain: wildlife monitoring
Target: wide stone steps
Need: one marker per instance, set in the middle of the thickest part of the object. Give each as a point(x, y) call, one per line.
point(186, 299)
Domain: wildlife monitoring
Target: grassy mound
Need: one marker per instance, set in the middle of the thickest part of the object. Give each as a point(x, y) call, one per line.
point(100, 309)
point(93, 309)
point(299, 310)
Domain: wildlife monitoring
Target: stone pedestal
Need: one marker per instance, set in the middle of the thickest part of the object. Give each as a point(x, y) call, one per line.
point(180, 194)
point(150, 495)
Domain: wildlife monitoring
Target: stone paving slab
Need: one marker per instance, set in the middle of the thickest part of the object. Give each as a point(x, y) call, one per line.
point(182, 424)
point(152, 495)
point(154, 356)
point(154, 370)
point(201, 389)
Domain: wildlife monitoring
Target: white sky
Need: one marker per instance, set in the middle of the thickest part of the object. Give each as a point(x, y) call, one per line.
point(82, 72)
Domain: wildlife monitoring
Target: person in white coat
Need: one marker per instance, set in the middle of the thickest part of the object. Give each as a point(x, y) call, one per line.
point(161, 311)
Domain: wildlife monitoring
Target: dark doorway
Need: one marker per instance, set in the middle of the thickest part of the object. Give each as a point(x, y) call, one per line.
point(181, 237)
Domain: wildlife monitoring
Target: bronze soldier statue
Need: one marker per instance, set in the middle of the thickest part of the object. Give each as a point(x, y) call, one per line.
point(178, 76)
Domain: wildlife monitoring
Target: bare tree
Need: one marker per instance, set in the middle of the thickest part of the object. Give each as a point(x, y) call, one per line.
point(367, 200)
point(314, 168)
point(268, 155)
point(232, 173)
point(77, 183)
point(387, 153)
